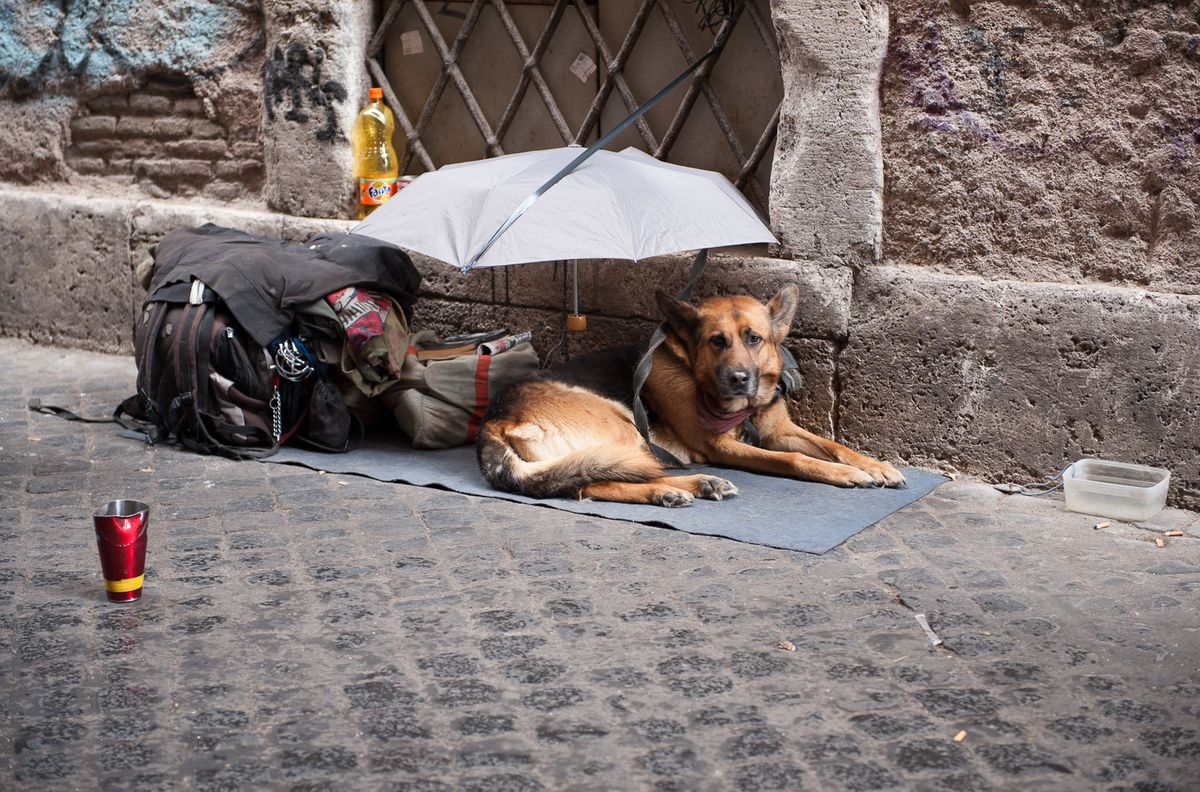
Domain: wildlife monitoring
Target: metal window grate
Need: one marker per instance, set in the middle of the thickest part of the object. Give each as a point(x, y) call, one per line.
point(612, 66)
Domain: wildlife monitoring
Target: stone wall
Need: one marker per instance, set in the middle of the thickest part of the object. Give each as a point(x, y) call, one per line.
point(1028, 145)
point(1045, 141)
point(157, 99)
point(158, 138)
point(1015, 380)
point(990, 207)
point(233, 101)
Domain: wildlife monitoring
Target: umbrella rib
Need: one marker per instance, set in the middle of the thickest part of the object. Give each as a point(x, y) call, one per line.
point(631, 104)
point(450, 65)
point(531, 70)
point(614, 69)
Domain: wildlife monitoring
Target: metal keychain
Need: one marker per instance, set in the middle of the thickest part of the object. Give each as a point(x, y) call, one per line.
point(291, 363)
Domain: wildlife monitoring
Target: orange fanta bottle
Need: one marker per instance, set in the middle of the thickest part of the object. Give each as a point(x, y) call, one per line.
point(376, 165)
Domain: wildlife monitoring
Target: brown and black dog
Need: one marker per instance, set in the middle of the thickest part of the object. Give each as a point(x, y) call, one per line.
point(569, 431)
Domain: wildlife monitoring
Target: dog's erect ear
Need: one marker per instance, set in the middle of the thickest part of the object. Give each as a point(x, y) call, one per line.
point(783, 309)
point(683, 317)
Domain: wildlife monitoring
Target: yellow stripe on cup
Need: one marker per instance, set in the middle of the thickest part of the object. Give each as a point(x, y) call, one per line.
point(121, 586)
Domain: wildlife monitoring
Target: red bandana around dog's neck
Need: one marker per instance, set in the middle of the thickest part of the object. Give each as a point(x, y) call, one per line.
point(715, 421)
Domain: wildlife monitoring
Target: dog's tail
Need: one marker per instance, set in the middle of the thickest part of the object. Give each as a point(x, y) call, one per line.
point(562, 477)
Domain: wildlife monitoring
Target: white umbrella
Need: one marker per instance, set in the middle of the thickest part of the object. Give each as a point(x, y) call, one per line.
point(623, 205)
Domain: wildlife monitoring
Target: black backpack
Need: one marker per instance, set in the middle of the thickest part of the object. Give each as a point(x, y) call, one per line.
point(203, 383)
point(229, 352)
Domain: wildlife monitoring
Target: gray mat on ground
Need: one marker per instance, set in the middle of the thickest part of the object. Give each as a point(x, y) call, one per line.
point(771, 511)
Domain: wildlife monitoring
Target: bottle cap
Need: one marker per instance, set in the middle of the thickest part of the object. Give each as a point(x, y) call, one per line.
point(375, 94)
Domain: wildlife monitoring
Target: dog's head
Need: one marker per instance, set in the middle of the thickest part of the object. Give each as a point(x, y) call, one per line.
point(733, 343)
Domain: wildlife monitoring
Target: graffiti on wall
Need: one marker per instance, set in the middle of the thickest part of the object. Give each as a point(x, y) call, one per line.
point(292, 83)
point(52, 47)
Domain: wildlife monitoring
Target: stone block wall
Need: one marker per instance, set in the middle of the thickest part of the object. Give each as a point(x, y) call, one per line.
point(1045, 141)
point(159, 139)
point(1018, 379)
point(990, 206)
point(229, 102)
point(1041, 189)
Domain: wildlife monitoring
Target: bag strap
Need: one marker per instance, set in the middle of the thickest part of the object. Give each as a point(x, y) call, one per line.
point(124, 415)
point(145, 353)
point(642, 372)
point(192, 357)
point(62, 412)
point(191, 351)
point(186, 292)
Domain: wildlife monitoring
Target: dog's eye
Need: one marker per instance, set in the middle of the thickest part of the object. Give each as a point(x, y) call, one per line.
point(718, 341)
point(753, 339)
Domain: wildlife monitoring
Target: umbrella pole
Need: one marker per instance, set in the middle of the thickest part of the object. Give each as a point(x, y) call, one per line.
point(576, 322)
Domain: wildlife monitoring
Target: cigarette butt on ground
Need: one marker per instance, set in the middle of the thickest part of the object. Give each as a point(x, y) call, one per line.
point(933, 637)
point(1100, 525)
point(1173, 533)
point(962, 735)
point(1158, 540)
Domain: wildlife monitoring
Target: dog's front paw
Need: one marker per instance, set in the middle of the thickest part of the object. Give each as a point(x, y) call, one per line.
point(885, 475)
point(675, 498)
point(714, 488)
point(846, 476)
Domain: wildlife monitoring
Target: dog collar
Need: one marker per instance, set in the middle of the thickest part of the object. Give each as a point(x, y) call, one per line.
point(716, 421)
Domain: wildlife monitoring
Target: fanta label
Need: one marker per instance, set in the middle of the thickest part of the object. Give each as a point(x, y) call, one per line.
point(373, 192)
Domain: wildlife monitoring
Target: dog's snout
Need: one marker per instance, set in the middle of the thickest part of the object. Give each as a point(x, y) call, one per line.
point(739, 382)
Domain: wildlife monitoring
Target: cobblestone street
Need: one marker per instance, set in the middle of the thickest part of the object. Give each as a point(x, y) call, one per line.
point(309, 631)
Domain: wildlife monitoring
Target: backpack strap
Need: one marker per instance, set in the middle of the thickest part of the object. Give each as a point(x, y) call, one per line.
point(192, 345)
point(145, 350)
point(141, 413)
point(192, 355)
point(62, 412)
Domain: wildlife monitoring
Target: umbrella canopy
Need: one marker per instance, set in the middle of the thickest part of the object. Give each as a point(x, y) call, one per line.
point(624, 205)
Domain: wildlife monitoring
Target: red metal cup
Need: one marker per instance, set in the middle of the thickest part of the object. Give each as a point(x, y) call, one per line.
point(121, 535)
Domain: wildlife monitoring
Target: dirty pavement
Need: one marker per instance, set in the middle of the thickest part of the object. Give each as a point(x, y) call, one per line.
point(304, 631)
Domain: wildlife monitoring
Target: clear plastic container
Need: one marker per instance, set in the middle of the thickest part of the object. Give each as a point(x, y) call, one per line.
point(1116, 489)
